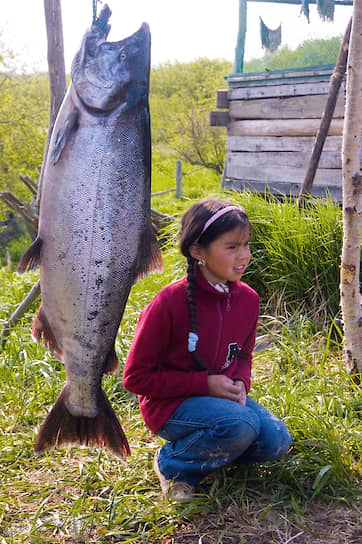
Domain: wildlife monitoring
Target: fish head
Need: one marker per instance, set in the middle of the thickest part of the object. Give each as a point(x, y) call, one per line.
point(107, 75)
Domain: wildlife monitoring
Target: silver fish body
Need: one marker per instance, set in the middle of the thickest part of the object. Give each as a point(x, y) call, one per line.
point(95, 235)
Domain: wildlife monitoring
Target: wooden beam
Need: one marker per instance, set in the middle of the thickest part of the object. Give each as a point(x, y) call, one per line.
point(328, 114)
point(318, 72)
point(280, 143)
point(324, 176)
point(297, 2)
point(292, 159)
point(281, 89)
point(219, 118)
point(222, 98)
point(282, 127)
point(293, 107)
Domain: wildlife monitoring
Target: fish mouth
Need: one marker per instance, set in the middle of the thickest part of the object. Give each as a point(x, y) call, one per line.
point(105, 74)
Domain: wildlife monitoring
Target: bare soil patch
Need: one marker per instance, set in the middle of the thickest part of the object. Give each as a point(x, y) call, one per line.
point(323, 524)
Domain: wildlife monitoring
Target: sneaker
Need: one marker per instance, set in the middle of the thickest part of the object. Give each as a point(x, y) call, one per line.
point(176, 491)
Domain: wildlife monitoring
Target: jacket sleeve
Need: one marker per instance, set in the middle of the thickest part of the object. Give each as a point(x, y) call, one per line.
point(146, 370)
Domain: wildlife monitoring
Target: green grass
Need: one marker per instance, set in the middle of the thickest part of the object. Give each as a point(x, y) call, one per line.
point(92, 497)
point(80, 495)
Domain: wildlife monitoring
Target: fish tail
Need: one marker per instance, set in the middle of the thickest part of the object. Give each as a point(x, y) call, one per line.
point(61, 427)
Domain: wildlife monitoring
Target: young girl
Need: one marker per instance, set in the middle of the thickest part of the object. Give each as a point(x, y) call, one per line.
point(190, 360)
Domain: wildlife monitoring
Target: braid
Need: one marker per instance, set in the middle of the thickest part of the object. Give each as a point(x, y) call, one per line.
point(198, 360)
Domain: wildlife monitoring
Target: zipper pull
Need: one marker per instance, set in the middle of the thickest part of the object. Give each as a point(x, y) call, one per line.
point(228, 302)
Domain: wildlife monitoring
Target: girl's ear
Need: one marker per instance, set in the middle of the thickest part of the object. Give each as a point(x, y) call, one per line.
point(196, 251)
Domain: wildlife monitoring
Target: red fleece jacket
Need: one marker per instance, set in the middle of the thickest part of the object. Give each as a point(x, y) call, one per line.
point(159, 367)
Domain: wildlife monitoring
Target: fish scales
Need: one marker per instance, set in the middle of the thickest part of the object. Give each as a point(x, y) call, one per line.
point(95, 234)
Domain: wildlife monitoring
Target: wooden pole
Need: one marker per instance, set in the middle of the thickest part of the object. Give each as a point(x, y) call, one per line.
point(335, 84)
point(19, 312)
point(56, 66)
point(352, 201)
point(240, 42)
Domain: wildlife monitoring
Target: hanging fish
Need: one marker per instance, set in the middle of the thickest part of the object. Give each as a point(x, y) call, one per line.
point(95, 235)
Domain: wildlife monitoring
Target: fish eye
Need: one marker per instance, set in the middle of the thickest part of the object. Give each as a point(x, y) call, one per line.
point(123, 56)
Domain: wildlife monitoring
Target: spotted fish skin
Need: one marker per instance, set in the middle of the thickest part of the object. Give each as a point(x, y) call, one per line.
point(95, 235)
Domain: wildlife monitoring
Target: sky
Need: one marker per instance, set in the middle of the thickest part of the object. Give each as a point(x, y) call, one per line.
point(182, 30)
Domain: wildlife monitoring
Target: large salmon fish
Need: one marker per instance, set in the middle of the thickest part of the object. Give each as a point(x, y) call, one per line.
point(95, 236)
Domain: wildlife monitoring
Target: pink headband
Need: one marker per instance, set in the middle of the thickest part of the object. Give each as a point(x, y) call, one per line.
point(218, 214)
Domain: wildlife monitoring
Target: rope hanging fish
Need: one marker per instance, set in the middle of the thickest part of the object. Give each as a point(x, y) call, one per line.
point(98, 21)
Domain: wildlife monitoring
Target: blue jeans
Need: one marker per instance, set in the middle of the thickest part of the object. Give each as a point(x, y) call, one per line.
point(206, 433)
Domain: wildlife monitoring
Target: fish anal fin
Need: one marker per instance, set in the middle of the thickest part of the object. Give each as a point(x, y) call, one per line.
point(62, 136)
point(31, 257)
point(42, 331)
point(112, 363)
point(61, 428)
point(150, 258)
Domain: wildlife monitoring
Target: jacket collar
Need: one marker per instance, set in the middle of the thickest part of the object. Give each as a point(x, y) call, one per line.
point(206, 286)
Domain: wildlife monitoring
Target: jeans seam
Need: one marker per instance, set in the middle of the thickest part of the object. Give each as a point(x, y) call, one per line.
point(187, 447)
point(209, 426)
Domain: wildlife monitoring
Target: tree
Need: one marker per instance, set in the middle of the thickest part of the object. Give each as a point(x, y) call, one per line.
point(181, 98)
point(352, 199)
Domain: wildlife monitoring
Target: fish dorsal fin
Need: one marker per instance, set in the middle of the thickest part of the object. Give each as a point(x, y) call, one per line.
point(62, 136)
point(31, 257)
point(150, 258)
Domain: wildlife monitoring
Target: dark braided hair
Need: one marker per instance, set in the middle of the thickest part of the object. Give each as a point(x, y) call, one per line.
point(192, 224)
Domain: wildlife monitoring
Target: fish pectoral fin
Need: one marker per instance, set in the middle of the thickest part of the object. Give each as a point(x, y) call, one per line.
point(63, 135)
point(42, 331)
point(31, 257)
point(112, 363)
point(61, 427)
point(149, 258)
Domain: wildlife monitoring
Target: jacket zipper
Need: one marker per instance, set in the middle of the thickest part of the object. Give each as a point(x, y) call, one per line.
point(221, 326)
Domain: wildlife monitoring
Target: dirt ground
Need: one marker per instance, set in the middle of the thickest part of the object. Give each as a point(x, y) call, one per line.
point(322, 525)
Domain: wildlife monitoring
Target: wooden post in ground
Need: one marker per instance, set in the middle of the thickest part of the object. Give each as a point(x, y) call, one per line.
point(335, 84)
point(178, 179)
point(352, 200)
point(56, 65)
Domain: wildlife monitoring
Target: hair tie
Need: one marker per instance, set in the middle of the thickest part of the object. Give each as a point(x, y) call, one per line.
point(218, 214)
point(193, 338)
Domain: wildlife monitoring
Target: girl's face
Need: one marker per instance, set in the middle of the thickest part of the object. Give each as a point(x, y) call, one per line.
point(227, 257)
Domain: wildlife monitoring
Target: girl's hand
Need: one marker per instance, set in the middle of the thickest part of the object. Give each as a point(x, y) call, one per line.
point(225, 388)
point(243, 391)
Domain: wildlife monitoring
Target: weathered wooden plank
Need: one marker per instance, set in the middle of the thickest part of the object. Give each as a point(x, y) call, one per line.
point(222, 98)
point(280, 143)
point(219, 118)
point(267, 75)
point(282, 127)
point(280, 188)
point(324, 176)
point(291, 107)
point(292, 159)
point(286, 89)
point(297, 2)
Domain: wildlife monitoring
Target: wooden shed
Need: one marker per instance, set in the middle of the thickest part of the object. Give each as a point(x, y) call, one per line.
point(272, 119)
